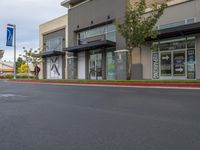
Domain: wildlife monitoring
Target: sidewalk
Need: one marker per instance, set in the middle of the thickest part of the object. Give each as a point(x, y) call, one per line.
point(186, 84)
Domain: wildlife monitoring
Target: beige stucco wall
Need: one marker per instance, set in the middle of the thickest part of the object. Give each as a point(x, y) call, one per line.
point(136, 59)
point(172, 14)
point(51, 26)
point(177, 10)
point(186, 10)
point(146, 61)
point(148, 2)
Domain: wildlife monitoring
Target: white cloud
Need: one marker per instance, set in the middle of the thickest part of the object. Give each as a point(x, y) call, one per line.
point(27, 15)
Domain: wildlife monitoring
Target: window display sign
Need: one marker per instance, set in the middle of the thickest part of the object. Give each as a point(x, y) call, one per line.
point(110, 66)
point(179, 63)
point(165, 63)
point(191, 64)
point(155, 65)
point(54, 67)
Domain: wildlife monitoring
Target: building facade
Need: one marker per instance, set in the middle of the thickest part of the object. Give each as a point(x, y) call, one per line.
point(93, 39)
point(176, 51)
point(6, 67)
point(97, 51)
point(53, 40)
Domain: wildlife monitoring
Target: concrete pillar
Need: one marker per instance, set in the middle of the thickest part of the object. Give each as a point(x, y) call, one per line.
point(104, 64)
point(121, 63)
point(44, 68)
point(72, 67)
point(63, 66)
point(66, 69)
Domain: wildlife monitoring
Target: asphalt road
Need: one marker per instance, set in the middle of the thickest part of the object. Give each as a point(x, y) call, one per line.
point(50, 117)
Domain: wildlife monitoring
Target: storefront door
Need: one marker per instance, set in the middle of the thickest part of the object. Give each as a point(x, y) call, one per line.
point(173, 64)
point(95, 66)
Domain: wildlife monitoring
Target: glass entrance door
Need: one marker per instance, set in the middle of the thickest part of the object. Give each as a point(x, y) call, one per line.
point(179, 64)
point(166, 64)
point(173, 64)
point(95, 66)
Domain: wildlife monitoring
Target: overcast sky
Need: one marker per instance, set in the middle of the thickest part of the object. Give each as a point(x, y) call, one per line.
point(27, 15)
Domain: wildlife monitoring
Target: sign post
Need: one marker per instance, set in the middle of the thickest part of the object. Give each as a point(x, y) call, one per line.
point(11, 31)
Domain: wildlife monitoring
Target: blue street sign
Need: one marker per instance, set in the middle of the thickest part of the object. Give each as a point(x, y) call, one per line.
point(9, 41)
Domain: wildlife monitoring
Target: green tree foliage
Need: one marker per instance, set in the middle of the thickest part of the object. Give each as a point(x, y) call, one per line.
point(32, 56)
point(19, 62)
point(139, 25)
point(23, 68)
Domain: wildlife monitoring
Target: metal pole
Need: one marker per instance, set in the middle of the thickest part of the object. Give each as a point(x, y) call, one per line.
point(14, 51)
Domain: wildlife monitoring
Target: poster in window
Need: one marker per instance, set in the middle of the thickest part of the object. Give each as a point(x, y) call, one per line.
point(110, 66)
point(155, 65)
point(191, 64)
point(166, 64)
point(179, 63)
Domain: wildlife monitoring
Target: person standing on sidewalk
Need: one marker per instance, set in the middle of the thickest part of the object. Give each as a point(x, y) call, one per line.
point(36, 71)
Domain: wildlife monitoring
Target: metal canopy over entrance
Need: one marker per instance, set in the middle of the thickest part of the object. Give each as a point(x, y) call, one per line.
point(91, 46)
point(52, 53)
point(189, 29)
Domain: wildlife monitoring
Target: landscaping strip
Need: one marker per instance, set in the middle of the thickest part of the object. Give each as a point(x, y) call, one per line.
point(188, 84)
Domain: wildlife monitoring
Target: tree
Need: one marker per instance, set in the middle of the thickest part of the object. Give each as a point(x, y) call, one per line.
point(32, 57)
point(36, 57)
point(19, 62)
point(139, 25)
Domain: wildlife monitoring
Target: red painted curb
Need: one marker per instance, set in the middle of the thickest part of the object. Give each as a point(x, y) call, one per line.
point(187, 85)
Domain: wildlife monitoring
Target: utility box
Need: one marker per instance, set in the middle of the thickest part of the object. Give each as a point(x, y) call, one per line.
point(136, 72)
point(121, 64)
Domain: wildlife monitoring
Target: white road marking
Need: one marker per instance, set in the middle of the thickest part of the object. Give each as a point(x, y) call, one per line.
point(10, 95)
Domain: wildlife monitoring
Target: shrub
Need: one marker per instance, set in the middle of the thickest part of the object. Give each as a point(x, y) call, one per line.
point(20, 76)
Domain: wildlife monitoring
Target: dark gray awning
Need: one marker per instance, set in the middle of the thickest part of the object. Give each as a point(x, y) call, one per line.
point(72, 2)
point(180, 31)
point(91, 46)
point(52, 53)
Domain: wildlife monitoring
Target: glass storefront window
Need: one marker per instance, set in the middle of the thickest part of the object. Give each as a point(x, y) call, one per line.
point(176, 59)
point(190, 21)
point(54, 44)
point(173, 45)
point(190, 43)
point(111, 36)
point(82, 35)
point(171, 25)
point(95, 65)
point(178, 23)
point(179, 63)
point(165, 58)
point(108, 30)
point(111, 28)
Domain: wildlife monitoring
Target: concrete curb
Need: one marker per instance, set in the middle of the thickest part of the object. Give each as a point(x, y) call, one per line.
point(125, 84)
